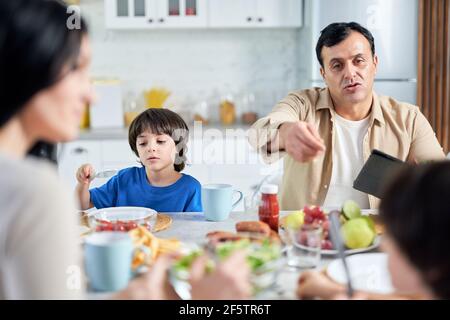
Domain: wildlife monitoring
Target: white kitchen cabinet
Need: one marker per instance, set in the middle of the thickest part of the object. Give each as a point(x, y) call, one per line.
point(117, 154)
point(73, 154)
point(101, 154)
point(232, 13)
point(255, 13)
point(183, 13)
point(150, 14)
point(276, 13)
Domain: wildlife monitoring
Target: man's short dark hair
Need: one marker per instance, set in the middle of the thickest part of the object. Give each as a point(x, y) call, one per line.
point(339, 31)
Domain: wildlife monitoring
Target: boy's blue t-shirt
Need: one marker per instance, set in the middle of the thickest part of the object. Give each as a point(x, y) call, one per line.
point(130, 187)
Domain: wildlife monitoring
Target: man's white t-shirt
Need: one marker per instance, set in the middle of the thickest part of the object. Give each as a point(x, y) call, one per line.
point(347, 162)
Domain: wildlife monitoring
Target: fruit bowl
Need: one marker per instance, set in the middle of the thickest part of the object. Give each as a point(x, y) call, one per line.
point(358, 231)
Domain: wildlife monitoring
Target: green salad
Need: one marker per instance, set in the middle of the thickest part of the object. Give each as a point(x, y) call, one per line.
point(257, 254)
point(184, 264)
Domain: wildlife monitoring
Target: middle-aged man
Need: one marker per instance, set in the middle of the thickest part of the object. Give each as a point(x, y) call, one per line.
point(326, 134)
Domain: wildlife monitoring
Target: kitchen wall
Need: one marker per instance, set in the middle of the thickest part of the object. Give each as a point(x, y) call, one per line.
point(198, 64)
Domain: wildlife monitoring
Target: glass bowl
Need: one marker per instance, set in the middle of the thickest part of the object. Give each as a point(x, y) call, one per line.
point(122, 218)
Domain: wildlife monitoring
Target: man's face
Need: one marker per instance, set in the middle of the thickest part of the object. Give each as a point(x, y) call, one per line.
point(349, 69)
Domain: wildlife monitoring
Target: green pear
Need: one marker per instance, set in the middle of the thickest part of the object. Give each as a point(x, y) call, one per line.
point(351, 209)
point(357, 233)
point(295, 220)
point(370, 222)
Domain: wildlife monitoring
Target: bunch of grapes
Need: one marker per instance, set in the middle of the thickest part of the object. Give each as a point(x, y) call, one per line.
point(315, 216)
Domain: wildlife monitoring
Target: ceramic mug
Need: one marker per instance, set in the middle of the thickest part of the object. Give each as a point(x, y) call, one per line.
point(217, 201)
point(108, 256)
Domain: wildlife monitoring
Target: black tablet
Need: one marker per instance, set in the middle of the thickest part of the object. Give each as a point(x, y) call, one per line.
point(375, 172)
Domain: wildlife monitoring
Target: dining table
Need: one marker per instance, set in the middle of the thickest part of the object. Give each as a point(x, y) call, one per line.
point(191, 228)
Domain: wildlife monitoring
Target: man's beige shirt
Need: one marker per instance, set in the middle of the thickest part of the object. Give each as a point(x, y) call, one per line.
point(396, 128)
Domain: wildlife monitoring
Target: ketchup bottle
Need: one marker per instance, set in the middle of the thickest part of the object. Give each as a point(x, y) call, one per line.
point(268, 209)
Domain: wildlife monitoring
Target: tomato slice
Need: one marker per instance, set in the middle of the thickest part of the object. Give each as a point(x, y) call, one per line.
point(118, 225)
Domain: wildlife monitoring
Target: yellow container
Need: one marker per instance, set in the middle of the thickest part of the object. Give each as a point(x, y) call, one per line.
point(85, 119)
point(227, 112)
point(155, 97)
point(130, 116)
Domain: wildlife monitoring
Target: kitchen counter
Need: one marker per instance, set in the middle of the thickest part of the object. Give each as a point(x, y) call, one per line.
point(122, 133)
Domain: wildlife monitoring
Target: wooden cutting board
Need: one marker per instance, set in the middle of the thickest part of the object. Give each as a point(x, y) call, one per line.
point(163, 222)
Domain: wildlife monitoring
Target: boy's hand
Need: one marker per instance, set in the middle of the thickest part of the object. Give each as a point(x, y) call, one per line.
point(85, 174)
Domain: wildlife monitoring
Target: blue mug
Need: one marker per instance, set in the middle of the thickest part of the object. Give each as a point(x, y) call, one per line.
point(108, 257)
point(217, 201)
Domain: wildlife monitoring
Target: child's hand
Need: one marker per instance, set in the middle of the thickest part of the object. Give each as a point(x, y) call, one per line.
point(85, 174)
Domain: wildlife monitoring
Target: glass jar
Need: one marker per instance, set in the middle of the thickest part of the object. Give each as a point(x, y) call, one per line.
point(201, 112)
point(269, 209)
point(227, 111)
point(132, 108)
point(249, 115)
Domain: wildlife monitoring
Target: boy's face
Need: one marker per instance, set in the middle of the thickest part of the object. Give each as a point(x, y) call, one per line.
point(156, 151)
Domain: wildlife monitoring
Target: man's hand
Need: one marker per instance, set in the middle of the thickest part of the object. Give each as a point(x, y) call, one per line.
point(300, 140)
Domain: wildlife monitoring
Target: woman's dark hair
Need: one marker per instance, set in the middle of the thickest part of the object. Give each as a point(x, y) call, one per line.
point(44, 150)
point(161, 121)
point(416, 212)
point(339, 31)
point(36, 44)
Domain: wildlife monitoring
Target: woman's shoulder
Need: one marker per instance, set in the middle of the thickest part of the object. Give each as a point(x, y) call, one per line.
point(33, 184)
point(28, 174)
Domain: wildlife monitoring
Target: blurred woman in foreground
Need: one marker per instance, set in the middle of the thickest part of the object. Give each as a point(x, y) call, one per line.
point(44, 87)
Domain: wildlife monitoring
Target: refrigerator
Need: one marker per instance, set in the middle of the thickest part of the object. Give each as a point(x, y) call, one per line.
point(394, 25)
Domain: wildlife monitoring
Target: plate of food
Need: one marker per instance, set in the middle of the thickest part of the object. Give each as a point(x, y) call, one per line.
point(255, 231)
point(368, 272)
point(358, 230)
point(331, 252)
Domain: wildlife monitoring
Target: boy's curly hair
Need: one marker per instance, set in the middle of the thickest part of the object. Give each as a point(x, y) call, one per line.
point(162, 121)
